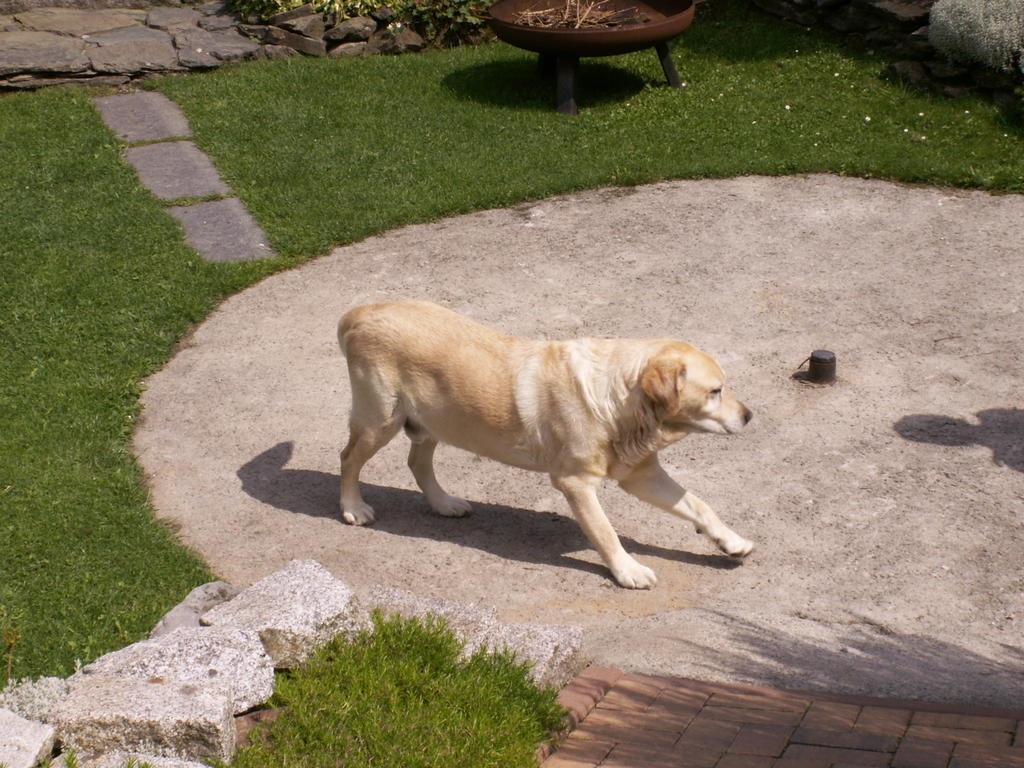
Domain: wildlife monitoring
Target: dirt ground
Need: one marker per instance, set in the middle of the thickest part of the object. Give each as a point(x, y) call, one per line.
point(887, 509)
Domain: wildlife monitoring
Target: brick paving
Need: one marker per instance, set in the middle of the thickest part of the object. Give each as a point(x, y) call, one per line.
point(619, 720)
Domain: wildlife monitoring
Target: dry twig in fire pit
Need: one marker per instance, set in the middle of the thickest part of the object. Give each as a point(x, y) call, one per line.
point(576, 14)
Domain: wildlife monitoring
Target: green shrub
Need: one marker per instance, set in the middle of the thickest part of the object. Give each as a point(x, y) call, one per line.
point(989, 32)
point(442, 22)
point(264, 9)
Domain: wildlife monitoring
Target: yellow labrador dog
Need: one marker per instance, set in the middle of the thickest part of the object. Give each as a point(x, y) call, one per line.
point(579, 410)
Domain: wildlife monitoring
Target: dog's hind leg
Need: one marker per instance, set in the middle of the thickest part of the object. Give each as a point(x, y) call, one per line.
point(363, 442)
point(650, 483)
point(376, 418)
point(421, 462)
point(581, 494)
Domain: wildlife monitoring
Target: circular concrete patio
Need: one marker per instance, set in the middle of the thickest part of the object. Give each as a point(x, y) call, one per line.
point(887, 509)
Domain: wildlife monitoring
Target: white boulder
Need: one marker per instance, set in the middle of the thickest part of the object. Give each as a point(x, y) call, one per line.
point(295, 610)
point(228, 659)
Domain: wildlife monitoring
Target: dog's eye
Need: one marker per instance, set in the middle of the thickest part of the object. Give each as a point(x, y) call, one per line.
point(716, 392)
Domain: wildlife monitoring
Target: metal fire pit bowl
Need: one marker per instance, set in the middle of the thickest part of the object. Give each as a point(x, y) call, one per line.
point(561, 48)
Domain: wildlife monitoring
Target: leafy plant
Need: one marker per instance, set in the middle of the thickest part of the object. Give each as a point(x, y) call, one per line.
point(443, 22)
point(264, 9)
point(989, 32)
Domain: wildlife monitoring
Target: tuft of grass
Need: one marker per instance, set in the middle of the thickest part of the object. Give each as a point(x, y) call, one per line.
point(403, 695)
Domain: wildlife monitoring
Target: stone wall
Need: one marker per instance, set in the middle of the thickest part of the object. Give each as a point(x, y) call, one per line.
point(898, 30)
point(110, 46)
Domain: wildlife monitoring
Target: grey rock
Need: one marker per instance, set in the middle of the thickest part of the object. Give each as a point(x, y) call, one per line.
point(31, 83)
point(294, 13)
point(945, 70)
point(127, 34)
point(347, 49)
point(75, 22)
point(308, 26)
point(909, 15)
point(175, 169)
point(213, 8)
point(302, 44)
point(196, 603)
point(166, 718)
point(223, 230)
point(914, 46)
point(228, 45)
point(913, 73)
point(851, 18)
point(255, 31)
point(464, 620)
point(23, 743)
point(171, 18)
point(274, 52)
point(225, 660)
point(381, 41)
point(295, 610)
point(41, 52)
point(133, 56)
point(383, 15)
point(19, 6)
point(956, 91)
point(198, 48)
point(407, 40)
point(554, 652)
point(144, 116)
point(218, 22)
point(355, 30)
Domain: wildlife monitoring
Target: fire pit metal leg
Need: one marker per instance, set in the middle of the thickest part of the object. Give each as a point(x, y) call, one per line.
point(667, 66)
point(565, 89)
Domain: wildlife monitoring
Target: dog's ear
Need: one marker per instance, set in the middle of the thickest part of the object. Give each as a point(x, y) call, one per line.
point(660, 381)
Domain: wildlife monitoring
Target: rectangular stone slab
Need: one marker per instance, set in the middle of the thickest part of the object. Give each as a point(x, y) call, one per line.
point(176, 169)
point(156, 716)
point(218, 659)
point(23, 743)
point(147, 116)
point(222, 230)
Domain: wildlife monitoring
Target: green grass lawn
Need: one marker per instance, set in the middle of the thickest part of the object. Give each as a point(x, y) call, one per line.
point(326, 152)
point(95, 288)
point(96, 284)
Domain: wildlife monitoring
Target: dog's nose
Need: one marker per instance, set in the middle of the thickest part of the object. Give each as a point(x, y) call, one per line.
point(747, 415)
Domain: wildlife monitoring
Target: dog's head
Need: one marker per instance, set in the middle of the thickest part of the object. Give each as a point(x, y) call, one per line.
point(687, 389)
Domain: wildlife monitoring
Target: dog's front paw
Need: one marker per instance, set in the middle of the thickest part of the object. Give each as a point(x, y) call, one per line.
point(631, 575)
point(359, 513)
point(450, 506)
point(736, 546)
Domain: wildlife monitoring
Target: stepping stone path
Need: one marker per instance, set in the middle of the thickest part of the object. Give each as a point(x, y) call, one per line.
point(220, 230)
